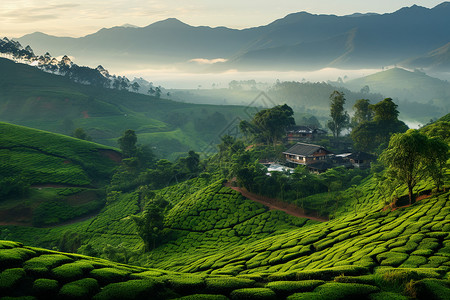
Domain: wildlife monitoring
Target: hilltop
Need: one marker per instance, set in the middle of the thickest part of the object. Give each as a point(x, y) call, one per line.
point(420, 97)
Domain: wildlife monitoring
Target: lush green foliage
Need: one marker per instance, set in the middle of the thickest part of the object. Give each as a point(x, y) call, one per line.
point(44, 157)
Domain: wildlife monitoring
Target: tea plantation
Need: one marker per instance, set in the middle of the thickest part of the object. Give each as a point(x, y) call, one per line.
point(44, 157)
point(48, 178)
point(219, 245)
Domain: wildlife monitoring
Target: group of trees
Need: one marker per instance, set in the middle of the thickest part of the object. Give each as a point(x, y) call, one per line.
point(269, 125)
point(373, 124)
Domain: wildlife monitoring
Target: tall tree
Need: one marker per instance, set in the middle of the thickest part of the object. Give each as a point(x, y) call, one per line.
point(406, 158)
point(339, 117)
point(363, 112)
point(385, 110)
point(269, 125)
point(127, 143)
point(437, 159)
point(373, 136)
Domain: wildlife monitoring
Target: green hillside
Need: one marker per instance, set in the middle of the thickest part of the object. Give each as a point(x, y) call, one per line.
point(45, 157)
point(388, 255)
point(36, 99)
point(47, 178)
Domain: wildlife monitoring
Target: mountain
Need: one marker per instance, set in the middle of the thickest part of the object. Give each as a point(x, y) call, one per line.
point(437, 60)
point(406, 86)
point(297, 41)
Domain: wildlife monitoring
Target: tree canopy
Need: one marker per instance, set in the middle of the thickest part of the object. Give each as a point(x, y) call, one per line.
point(412, 156)
point(339, 117)
point(269, 125)
point(373, 135)
point(363, 112)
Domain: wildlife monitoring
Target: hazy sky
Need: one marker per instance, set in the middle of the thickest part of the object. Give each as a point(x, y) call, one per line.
point(78, 18)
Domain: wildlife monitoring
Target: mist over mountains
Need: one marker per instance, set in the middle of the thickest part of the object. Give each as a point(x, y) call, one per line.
point(415, 37)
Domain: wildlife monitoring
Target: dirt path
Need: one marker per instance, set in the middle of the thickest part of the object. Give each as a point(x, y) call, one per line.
point(275, 204)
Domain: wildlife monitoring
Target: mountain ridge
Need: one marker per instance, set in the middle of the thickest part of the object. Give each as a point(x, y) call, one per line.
point(409, 32)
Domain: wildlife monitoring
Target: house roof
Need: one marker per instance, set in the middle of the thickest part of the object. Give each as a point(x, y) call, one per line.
point(304, 149)
point(361, 156)
point(300, 129)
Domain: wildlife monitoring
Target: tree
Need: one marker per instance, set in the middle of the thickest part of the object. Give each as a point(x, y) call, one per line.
point(406, 158)
point(127, 143)
point(437, 159)
point(385, 110)
point(339, 117)
point(269, 125)
point(363, 112)
point(151, 222)
point(135, 86)
point(370, 135)
point(158, 92)
point(79, 133)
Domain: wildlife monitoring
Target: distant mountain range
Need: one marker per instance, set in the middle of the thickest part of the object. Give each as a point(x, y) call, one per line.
point(412, 36)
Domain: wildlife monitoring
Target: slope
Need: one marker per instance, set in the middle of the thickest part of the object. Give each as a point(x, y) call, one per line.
point(378, 256)
point(37, 99)
point(64, 175)
point(48, 158)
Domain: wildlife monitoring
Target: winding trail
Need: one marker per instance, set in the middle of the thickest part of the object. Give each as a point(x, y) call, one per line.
point(275, 204)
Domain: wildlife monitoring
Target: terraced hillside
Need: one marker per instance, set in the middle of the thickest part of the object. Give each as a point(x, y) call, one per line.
point(58, 176)
point(383, 255)
point(52, 158)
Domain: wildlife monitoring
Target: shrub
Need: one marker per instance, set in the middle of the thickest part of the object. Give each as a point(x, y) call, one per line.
point(186, 284)
point(81, 289)
point(132, 289)
point(45, 287)
point(14, 257)
point(253, 293)
point(335, 290)
point(46, 261)
point(225, 285)
point(109, 275)
point(387, 295)
point(432, 289)
point(330, 273)
point(71, 271)
point(285, 288)
point(204, 297)
point(10, 278)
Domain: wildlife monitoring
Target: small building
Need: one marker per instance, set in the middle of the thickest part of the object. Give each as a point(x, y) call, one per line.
point(306, 154)
point(360, 159)
point(301, 133)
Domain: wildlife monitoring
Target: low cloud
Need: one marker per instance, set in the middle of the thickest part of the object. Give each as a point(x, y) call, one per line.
point(205, 61)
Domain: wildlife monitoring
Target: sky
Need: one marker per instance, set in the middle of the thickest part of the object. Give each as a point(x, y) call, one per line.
point(82, 17)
